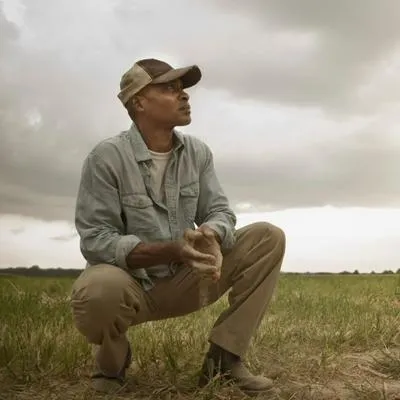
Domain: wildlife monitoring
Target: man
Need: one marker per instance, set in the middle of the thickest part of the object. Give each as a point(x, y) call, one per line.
point(156, 228)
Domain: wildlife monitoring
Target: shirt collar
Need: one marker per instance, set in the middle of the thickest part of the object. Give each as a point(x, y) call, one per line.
point(140, 148)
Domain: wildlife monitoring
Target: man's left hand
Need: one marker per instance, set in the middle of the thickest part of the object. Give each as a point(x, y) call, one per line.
point(209, 244)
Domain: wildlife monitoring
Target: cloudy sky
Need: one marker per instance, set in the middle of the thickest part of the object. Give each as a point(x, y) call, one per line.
point(299, 101)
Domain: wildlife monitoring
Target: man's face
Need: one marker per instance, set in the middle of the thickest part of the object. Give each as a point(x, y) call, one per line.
point(166, 104)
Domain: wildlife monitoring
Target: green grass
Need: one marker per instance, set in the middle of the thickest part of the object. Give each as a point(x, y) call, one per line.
point(320, 334)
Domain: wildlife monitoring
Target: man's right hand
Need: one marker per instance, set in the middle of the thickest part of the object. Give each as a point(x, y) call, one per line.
point(183, 251)
point(201, 263)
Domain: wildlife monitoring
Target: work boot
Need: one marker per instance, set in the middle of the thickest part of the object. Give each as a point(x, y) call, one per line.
point(111, 384)
point(227, 366)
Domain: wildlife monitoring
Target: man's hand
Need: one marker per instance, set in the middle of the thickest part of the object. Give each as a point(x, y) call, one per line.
point(191, 254)
point(208, 243)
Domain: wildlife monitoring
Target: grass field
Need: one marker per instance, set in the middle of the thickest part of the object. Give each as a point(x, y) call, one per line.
point(324, 337)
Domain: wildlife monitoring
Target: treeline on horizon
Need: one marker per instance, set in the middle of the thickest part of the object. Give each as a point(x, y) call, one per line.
point(35, 270)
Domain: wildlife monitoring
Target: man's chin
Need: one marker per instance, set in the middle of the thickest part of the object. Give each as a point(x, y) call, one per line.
point(184, 121)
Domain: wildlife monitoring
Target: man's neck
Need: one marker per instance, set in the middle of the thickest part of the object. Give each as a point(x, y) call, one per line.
point(158, 139)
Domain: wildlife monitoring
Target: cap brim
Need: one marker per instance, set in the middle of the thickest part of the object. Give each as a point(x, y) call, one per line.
point(188, 75)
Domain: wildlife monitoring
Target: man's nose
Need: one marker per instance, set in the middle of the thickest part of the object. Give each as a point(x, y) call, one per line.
point(184, 95)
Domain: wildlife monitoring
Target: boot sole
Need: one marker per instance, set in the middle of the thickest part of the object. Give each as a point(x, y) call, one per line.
point(203, 382)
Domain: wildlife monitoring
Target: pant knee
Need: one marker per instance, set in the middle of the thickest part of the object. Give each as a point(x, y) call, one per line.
point(278, 235)
point(103, 300)
point(266, 230)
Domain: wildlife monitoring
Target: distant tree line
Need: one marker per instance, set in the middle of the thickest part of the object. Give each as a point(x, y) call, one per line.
point(35, 270)
point(355, 272)
point(385, 272)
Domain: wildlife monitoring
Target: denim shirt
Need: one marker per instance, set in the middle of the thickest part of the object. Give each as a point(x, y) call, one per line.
point(117, 208)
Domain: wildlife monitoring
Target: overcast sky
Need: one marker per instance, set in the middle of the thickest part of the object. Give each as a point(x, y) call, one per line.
point(299, 102)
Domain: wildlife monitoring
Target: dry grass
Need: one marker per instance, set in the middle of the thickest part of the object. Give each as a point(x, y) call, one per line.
point(324, 337)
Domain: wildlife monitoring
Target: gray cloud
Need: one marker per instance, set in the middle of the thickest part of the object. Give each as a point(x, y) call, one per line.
point(16, 231)
point(59, 86)
point(50, 117)
point(346, 42)
point(65, 238)
point(361, 171)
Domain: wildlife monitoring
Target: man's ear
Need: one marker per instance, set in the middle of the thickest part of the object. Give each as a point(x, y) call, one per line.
point(137, 103)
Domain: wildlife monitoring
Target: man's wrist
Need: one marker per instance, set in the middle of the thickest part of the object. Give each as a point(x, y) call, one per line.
point(146, 255)
point(217, 237)
point(215, 233)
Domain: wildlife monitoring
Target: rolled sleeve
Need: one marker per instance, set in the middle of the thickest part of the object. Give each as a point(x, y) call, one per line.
point(213, 206)
point(125, 245)
point(98, 216)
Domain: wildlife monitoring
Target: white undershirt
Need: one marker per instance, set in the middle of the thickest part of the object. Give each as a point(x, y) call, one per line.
point(157, 171)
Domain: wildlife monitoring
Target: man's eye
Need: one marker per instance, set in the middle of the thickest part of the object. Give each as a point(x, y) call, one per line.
point(173, 87)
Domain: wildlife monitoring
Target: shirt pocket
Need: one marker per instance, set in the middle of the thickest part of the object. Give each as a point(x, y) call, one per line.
point(189, 197)
point(140, 213)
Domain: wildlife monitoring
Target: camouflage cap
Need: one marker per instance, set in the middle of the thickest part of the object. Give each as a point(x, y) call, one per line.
point(151, 71)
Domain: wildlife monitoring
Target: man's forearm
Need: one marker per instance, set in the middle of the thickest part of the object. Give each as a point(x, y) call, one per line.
point(146, 255)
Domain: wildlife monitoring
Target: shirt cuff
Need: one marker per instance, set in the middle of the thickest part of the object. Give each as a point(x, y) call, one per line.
point(227, 237)
point(124, 246)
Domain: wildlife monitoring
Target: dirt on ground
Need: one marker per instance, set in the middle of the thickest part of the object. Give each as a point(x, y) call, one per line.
point(350, 376)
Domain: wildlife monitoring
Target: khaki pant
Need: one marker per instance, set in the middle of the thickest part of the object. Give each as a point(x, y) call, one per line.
point(106, 300)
